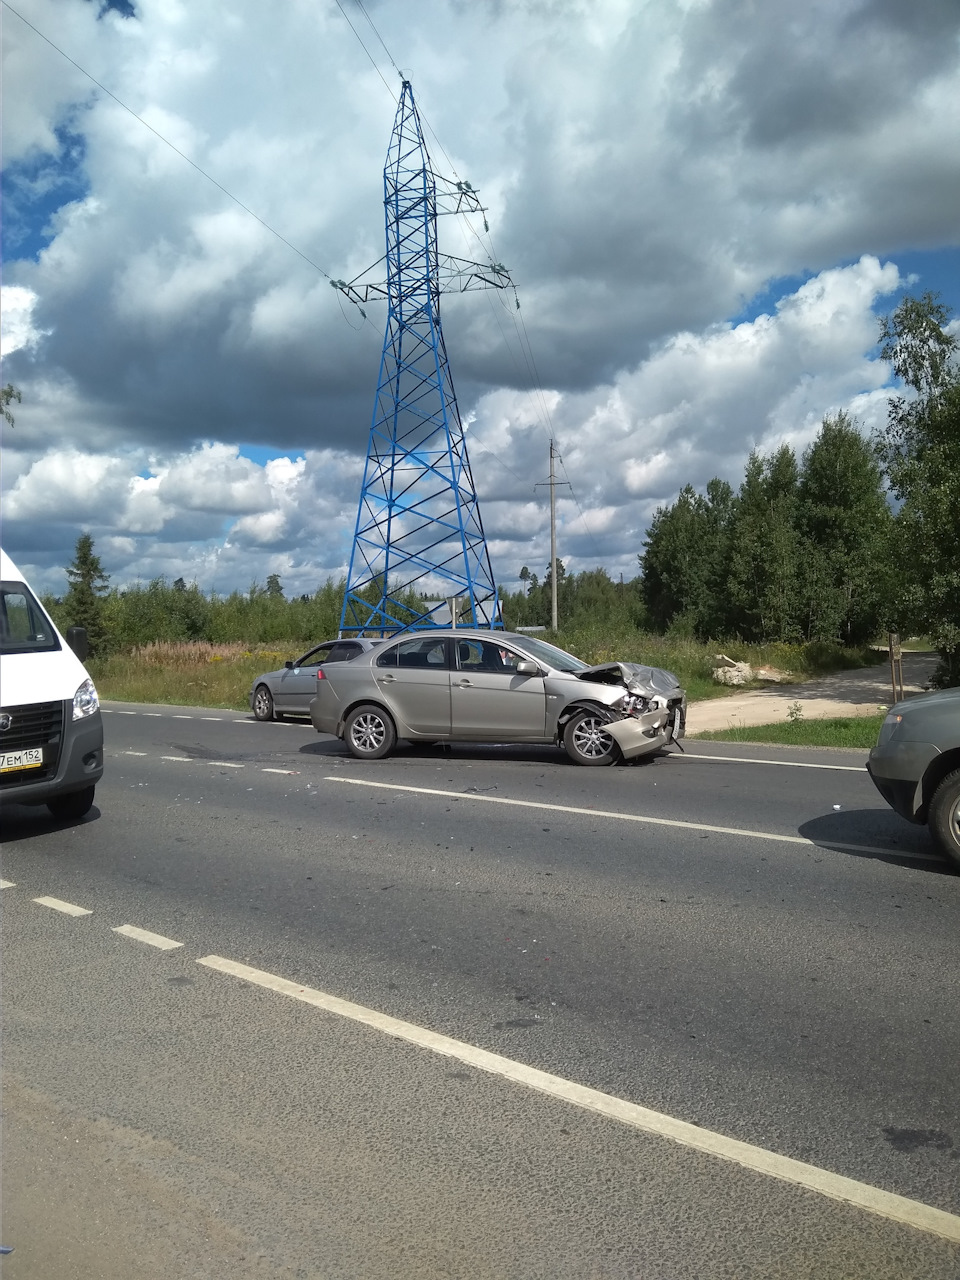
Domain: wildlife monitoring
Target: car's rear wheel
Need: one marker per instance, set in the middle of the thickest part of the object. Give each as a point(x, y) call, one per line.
point(74, 805)
point(586, 739)
point(263, 703)
point(369, 732)
point(943, 818)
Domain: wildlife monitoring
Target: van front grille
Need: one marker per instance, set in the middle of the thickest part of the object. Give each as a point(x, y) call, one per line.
point(38, 724)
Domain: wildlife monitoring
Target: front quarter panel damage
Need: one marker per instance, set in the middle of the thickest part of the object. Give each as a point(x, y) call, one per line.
point(651, 712)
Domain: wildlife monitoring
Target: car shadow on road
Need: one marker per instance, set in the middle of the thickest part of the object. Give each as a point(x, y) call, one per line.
point(867, 833)
point(433, 751)
point(24, 822)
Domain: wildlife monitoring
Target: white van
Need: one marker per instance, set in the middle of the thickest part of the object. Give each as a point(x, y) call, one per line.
point(51, 733)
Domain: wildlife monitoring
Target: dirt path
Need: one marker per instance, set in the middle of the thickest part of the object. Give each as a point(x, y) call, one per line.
point(845, 693)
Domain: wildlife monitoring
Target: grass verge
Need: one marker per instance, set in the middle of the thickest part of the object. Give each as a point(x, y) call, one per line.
point(857, 731)
point(201, 674)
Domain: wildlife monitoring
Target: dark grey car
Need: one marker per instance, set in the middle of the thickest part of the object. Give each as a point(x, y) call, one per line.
point(482, 686)
point(916, 765)
point(290, 690)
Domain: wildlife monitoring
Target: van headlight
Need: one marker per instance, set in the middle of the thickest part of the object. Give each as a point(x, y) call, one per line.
point(889, 728)
point(85, 700)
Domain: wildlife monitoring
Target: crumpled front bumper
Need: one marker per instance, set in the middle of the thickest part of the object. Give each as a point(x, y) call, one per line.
point(640, 735)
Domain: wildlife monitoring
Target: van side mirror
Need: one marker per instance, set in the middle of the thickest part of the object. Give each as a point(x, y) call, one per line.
point(78, 642)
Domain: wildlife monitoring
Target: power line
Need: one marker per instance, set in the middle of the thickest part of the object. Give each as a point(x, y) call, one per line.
point(364, 47)
point(193, 164)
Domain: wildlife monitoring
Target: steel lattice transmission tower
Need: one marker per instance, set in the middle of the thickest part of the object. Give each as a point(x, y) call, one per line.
point(418, 525)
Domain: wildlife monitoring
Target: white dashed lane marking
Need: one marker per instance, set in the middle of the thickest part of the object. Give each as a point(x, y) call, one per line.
point(783, 1168)
point(68, 908)
point(180, 759)
point(144, 935)
point(7, 884)
point(224, 764)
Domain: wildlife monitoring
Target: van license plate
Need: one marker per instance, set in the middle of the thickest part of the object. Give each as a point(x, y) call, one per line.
point(31, 759)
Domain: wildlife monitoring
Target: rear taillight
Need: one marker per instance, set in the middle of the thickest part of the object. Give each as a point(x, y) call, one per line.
point(319, 673)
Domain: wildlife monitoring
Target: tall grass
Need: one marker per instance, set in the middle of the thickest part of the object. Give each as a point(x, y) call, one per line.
point(219, 674)
point(190, 673)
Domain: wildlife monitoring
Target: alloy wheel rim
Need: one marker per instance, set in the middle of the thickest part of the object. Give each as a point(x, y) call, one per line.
point(368, 732)
point(591, 739)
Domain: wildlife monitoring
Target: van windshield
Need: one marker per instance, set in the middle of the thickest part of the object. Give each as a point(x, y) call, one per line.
point(24, 627)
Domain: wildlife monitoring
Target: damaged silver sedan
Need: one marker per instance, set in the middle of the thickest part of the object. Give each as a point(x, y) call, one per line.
point(483, 686)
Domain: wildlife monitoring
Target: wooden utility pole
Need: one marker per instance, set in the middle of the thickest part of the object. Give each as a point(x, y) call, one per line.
point(553, 542)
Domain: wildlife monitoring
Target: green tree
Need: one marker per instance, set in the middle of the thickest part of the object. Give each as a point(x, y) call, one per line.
point(763, 574)
point(684, 563)
point(83, 604)
point(8, 394)
point(845, 526)
point(274, 589)
point(920, 450)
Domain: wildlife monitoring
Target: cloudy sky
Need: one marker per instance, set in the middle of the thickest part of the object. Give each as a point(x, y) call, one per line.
point(705, 206)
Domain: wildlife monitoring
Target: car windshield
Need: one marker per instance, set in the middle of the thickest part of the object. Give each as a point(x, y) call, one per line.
point(550, 656)
point(24, 627)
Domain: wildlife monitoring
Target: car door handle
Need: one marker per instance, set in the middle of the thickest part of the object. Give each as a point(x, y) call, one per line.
point(387, 679)
point(464, 684)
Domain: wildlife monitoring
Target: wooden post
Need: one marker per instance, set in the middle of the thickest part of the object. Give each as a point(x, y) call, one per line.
point(896, 665)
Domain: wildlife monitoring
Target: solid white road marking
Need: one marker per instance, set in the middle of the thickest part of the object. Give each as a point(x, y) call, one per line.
point(144, 935)
point(636, 817)
point(67, 908)
point(7, 884)
point(789, 764)
point(883, 1203)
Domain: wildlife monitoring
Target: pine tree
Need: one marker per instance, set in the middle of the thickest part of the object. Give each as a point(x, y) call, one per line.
point(83, 603)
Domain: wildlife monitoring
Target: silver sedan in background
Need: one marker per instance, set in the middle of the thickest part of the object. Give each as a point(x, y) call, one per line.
point(289, 690)
point(482, 686)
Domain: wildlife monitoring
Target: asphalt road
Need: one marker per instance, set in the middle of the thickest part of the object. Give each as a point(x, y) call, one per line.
point(757, 947)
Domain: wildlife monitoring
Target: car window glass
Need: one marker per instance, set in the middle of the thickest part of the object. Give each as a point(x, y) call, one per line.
point(341, 652)
point(425, 652)
point(487, 656)
point(314, 659)
point(23, 627)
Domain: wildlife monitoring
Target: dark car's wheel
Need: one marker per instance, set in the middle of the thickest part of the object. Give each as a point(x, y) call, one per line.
point(943, 818)
point(587, 741)
point(74, 805)
point(262, 703)
point(369, 733)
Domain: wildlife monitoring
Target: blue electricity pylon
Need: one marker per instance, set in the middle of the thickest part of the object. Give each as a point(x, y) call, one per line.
point(418, 532)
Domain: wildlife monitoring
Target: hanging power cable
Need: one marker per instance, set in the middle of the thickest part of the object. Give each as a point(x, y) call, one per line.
point(166, 141)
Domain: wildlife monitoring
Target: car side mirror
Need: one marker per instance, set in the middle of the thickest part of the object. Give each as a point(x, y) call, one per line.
point(527, 669)
point(288, 665)
point(78, 641)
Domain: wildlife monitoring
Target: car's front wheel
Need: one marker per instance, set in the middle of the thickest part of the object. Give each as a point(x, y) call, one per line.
point(74, 805)
point(263, 703)
point(586, 739)
point(369, 733)
point(943, 818)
